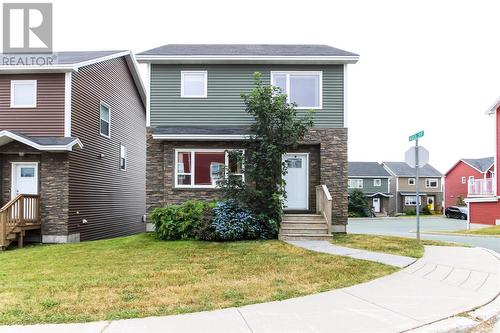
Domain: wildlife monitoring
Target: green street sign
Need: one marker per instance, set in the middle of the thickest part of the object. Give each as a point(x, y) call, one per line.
point(416, 136)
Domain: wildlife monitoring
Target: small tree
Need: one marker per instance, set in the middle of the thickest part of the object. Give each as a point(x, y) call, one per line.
point(460, 201)
point(358, 203)
point(276, 130)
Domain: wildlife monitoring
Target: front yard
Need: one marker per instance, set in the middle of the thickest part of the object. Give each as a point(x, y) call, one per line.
point(140, 276)
point(488, 231)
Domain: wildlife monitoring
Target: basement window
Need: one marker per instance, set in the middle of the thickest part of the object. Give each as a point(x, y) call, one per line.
point(23, 93)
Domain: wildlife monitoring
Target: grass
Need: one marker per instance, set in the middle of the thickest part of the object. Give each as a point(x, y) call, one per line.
point(408, 247)
point(140, 276)
point(488, 231)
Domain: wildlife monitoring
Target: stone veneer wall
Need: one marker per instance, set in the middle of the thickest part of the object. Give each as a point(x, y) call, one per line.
point(53, 186)
point(329, 169)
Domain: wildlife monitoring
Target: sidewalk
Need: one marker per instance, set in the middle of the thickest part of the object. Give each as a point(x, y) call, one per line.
point(327, 247)
point(445, 282)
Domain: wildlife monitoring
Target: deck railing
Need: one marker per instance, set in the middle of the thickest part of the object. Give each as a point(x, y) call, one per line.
point(481, 187)
point(324, 205)
point(23, 210)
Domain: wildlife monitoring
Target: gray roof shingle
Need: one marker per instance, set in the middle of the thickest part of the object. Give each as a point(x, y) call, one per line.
point(247, 50)
point(367, 169)
point(482, 164)
point(401, 169)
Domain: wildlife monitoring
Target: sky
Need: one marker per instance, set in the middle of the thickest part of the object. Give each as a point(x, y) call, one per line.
point(424, 65)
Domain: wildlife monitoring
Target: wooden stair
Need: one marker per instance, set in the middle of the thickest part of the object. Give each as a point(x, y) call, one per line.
point(304, 227)
point(16, 217)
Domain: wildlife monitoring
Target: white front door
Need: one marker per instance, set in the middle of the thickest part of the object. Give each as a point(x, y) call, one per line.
point(297, 182)
point(24, 178)
point(376, 205)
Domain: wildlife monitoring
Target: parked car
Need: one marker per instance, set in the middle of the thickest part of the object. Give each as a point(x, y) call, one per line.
point(456, 212)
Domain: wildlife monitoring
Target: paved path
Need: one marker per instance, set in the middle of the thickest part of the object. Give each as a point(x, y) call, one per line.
point(446, 281)
point(327, 247)
point(405, 227)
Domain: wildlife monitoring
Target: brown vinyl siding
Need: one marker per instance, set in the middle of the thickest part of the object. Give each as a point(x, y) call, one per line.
point(47, 119)
point(404, 187)
point(110, 199)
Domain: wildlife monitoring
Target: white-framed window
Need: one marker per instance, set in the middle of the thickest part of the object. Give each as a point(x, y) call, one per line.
point(23, 93)
point(471, 179)
point(123, 157)
point(411, 181)
point(105, 119)
point(410, 200)
point(355, 183)
point(194, 84)
point(464, 180)
point(431, 182)
point(377, 182)
point(204, 168)
point(305, 88)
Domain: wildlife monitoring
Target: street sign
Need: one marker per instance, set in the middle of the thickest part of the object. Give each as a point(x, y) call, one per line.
point(416, 136)
point(423, 157)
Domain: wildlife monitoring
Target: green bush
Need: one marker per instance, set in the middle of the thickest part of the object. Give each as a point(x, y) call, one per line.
point(426, 210)
point(178, 221)
point(358, 203)
point(410, 211)
point(205, 229)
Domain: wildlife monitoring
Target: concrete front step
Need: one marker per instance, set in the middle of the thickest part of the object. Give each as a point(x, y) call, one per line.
point(298, 224)
point(304, 237)
point(316, 231)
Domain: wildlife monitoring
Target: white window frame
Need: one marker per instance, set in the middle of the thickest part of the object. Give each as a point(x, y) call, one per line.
point(358, 181)
point(101, 103)
point(205, 73)
point(408, 197)
point(412, 180)
point(464, 180)
point(428, 180)
point(124, 157)
point(287, 92)
point(471, 179)
point(13, 83)
point(192, 152)
point(377, 182)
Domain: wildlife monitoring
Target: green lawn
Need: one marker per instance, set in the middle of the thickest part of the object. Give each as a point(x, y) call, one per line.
point(140, 276)
point(388, 244)
point(488, 231)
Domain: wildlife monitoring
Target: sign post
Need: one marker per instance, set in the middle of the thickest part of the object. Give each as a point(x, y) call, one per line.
point(415, 138)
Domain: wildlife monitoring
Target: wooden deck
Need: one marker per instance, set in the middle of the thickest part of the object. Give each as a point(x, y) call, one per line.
point(17, 216)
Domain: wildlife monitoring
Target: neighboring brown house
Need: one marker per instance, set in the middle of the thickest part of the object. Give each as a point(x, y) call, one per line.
point(72, 148)
point(196, 114)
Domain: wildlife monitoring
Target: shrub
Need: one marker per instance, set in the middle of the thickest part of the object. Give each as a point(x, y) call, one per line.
point(358, 203)
point(410, 211)
point(460, 201)
point(426, 210)
point(232, 222)
point(205, 229)
point(178, 221)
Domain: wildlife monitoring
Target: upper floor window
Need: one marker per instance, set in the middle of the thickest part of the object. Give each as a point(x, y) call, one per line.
point(194, 84)
point(23, 93)
point(105, 120)
point(303, 88)
point(355, 183)
point(377, 182)
point(123, 157)
point(471, 179)
point(464, 179)
point(411, 181)
point(431, 182)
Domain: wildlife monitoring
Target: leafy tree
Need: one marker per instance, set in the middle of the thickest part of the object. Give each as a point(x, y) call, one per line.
point(358, 203)
point(460, 201)
point(276, 130)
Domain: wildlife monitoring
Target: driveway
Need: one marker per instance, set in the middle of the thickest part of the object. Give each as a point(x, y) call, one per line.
point(406, 227)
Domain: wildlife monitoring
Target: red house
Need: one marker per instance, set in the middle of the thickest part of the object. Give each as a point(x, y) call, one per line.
point(466, 170)
point(482, 197)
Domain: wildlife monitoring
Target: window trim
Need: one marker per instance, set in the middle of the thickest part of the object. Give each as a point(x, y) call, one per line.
point(124, 157)
point(288, 73)
point(101, 103)
point(205, 73)
point(413, 196)
point(463, 180)
point(20, 82)
point(192, 152)
point(360, 180)
point(414, 181)
point(377, 180)
point(427, 180)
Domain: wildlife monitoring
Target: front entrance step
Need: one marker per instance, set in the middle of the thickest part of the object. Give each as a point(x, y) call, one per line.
point(292, 230)
point(286, 237)
point(300, 224)
point(302, 217)
point(304, 227)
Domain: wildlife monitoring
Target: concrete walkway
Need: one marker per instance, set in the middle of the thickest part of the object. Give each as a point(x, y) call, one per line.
point(445, 282)
point(327, 247)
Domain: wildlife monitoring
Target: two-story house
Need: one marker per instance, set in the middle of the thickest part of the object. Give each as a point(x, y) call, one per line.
point(374, 181)
point(403, 186)
point(466, 171)
point(72, 148)
point(482, 196)
point(196, 113)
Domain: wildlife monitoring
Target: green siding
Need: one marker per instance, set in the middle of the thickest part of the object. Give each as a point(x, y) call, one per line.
point(368, 185)
point(224, 105)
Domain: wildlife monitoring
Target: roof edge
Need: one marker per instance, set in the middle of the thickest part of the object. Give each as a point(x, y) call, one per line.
point(217, 59)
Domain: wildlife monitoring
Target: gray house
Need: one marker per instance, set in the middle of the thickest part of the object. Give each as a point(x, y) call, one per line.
point(195, 114)
point(404, 189)
point(374, 181)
